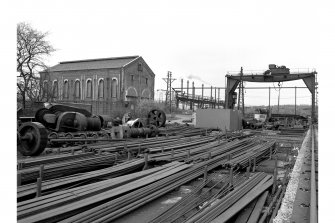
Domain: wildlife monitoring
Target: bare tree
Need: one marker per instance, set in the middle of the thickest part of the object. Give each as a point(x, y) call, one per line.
point(32, 48)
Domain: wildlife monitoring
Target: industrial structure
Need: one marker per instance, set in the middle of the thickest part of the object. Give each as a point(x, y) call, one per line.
point(76, 166)
point(105, 83)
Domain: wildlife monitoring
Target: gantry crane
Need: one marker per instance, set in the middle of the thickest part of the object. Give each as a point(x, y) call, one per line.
point(273, 74)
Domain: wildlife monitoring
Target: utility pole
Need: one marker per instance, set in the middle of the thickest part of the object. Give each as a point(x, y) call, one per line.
point(241, 93)
point(168, 98)
point(278, 97)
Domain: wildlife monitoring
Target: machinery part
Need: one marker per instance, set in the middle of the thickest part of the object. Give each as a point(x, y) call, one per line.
point(106, 121)
point(39, 117)
point(83, 135)
point(34, 138)
point(71, 122)
point(154, 130)
point(55, 108)
point(53, 135)
point(18, 138)
point(139, 132)
point(156, 117)
point(93, 123)
point(136, 123)
point(69, 135)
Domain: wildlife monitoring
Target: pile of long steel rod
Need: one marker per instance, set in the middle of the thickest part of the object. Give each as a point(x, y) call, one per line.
point(41, 160)
point(70, 166)
point(199, 197)
point(63, 204)
point(184, 130)
point(48, 186)
point(225, 208)
point(257, 152)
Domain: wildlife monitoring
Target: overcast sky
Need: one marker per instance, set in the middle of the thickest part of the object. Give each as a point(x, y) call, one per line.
point(203, 39)
point(200, 38)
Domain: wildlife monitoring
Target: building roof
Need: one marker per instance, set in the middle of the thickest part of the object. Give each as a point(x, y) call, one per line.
point(102, 63)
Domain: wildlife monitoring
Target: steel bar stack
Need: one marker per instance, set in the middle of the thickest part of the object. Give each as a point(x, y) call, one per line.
point(48, 186)
point(198, 198)
point(63, 204)
point(223, 209)
point(70, 166)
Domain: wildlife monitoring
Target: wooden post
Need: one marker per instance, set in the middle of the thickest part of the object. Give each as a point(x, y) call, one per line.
point(205, 173)
point(248, 172)
point(139, 148)
point(38, 187)
point(275, 177)
point(231, 177)
point(254, 167)
point(146, 158)
point(19, 179)
point(41, 171)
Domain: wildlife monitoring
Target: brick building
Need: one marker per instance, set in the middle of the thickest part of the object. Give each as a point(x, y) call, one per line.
point(105, 83)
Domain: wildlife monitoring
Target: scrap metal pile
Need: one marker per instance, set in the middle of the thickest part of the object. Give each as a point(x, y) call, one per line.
point(109, 193)
point(103, 180)
point(57, 124)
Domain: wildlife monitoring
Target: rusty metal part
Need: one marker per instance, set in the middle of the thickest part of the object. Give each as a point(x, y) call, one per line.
point(93, 123)
point(136, 123)
point(106, 121)
point(33, 138)
point(157, 117)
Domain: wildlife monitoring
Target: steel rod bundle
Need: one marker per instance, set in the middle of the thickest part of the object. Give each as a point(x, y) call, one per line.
point(257, 152)
point(68, 167)
point(87, 202)
point(48, 186)
point(234, 201)
point(128, 202)
point(54, 200)
point(193, 201)
point(39, 160)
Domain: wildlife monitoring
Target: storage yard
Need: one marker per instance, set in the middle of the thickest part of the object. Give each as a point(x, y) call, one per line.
point(157, 170)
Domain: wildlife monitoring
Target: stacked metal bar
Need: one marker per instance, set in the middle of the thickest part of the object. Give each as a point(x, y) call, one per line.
point(60, 205)
point(70, 166)
point(223, 209)
point(48, 186)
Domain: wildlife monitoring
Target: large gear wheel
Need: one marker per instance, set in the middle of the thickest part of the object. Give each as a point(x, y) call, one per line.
point(33, 138)
point(157, 117)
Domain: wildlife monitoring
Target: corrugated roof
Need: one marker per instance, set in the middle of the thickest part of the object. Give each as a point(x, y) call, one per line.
point(112, 62)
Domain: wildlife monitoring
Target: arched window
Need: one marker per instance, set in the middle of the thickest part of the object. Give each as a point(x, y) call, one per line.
point(55, 90)
point(66, 89)
point(77, 89)
point(114, 86)
point(101, 88)
point(45, 89)
point(89, 89)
